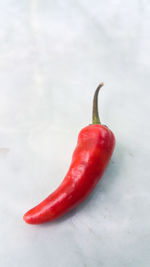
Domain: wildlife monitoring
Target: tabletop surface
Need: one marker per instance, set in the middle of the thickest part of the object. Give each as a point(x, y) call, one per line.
point(53, 54)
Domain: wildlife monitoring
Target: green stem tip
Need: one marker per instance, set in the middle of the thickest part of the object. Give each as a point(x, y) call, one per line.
point(95, 115)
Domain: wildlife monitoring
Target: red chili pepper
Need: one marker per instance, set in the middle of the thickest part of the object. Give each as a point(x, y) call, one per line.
point(91, 156)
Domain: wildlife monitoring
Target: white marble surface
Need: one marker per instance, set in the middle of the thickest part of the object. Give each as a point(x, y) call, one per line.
point(52, 56)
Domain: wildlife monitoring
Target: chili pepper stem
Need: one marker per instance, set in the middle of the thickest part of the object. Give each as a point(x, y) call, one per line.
point(95, 115)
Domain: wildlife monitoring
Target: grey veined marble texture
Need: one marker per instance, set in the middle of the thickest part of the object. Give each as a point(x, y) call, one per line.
point(53, 54)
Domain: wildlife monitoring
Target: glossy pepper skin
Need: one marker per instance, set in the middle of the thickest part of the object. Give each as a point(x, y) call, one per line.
point(90, 158)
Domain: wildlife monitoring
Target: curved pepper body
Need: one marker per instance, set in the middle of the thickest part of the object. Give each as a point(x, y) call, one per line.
point(90, 158)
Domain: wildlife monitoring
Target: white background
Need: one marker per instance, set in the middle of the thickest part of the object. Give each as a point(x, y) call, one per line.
point(53, 54)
